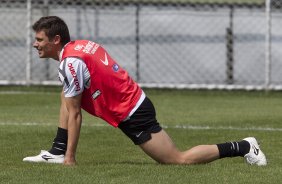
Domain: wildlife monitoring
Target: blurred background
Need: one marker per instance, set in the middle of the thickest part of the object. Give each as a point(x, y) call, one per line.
point(196, 44)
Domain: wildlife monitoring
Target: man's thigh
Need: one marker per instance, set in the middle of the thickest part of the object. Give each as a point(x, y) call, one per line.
point(161, 148)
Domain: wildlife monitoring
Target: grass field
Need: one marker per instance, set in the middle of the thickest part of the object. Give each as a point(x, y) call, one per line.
point(28, 121)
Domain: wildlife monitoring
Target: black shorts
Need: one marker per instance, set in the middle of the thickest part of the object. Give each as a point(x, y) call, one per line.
point(142, 123)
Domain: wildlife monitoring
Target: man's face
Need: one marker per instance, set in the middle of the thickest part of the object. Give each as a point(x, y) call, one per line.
point(44, 46)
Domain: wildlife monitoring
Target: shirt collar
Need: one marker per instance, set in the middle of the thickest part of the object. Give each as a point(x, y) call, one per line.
point(62, 51)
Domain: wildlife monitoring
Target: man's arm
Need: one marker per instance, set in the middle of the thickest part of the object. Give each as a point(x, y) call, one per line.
point(64, 114)
point(74, 124)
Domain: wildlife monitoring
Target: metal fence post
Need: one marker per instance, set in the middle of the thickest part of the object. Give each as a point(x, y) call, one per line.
point(28, 43)
point(78, 22)
point(137, 39)
point(45, 12)
point(96, 23)
point(268, 44)
point(229, 49)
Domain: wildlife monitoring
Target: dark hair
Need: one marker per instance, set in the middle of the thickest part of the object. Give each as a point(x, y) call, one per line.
point(52, 26)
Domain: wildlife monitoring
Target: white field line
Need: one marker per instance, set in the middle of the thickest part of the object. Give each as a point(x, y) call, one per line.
point(189, 127)
point(26, 92)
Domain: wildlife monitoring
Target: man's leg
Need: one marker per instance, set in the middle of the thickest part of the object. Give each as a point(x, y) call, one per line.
point(162, 149)
point(59, 146)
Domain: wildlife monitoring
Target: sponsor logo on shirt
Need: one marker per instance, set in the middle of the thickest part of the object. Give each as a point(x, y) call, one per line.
point(78, 47)
point(89, 48)
point(73, 73)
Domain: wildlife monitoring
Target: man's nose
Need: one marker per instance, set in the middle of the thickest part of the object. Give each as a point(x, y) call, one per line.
point(35, 44)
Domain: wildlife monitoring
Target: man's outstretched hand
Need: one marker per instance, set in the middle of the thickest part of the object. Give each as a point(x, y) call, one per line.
point(70, 161)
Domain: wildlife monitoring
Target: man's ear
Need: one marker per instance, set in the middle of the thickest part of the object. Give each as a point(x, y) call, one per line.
point(57, 39)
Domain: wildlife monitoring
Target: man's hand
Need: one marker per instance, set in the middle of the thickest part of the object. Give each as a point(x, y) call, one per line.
point(69, 161)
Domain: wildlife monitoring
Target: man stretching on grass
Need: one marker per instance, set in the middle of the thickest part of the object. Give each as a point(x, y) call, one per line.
point(93, 81)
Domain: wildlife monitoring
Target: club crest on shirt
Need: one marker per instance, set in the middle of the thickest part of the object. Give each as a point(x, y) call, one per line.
point(115, 67)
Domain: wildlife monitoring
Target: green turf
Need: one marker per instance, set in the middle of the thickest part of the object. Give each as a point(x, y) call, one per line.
point(105, 155)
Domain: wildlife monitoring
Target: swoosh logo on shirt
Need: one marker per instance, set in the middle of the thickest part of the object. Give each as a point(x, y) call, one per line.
point(106, 62)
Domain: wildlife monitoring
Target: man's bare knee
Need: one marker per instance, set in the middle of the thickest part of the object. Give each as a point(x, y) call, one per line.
point(179, 160)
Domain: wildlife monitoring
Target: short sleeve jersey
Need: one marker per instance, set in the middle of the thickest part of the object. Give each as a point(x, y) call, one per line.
point(107, 90)
point(74, 75)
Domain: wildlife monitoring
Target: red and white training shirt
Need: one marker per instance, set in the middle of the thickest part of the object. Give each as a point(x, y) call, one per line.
point(107, 90)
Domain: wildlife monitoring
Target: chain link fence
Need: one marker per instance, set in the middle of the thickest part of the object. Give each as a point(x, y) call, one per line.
point(161, 44)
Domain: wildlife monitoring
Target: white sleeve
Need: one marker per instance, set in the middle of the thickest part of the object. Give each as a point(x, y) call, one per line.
point(73, 73)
